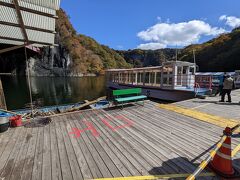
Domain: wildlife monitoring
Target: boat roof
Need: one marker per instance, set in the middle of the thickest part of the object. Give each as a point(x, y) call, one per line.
point(169, 63)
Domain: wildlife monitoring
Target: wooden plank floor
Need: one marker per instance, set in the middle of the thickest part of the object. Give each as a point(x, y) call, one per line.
point(107, 143)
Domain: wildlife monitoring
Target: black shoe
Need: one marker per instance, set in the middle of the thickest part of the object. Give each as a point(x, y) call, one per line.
point(221, 101)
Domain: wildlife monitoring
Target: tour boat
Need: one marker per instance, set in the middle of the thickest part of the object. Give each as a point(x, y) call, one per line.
point(173, 81)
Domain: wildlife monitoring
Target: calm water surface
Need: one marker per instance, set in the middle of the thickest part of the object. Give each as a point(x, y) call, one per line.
point(49, 91)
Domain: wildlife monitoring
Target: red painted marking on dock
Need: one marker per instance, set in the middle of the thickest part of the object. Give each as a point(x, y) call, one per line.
point(77, 132)
point(119, 117)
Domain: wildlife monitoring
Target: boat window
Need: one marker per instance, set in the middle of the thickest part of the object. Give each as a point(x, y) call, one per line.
point(185, 70)
point(113, 77)
point(140, 77)
point(128, 80)
point(179, 70)
point(158, 78)
point(123, 77)
point(192, 70)
point(116, 77)
point(165, 80)
point(170, 80)
point(120, 77)
point(147, 75)
point(152, 77)
point(133, 77)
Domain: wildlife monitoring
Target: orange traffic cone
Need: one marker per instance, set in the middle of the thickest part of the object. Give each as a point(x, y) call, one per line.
point(222, 161)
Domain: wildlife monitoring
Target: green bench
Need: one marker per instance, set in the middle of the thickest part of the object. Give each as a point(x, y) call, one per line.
point(128, 95)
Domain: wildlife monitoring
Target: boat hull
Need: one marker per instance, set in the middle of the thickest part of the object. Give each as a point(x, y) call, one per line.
point(157, 93)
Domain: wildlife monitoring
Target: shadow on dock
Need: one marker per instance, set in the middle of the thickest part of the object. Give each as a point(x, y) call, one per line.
point(119, 107)
point(169, 167)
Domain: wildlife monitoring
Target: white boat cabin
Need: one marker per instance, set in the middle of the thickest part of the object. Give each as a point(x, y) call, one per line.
point(171, 75)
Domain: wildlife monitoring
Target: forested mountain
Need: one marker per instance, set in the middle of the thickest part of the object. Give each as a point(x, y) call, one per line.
point(143, 58)
point(219, 54)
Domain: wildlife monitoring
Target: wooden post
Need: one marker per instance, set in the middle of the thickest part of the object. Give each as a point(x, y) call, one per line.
point(2, 97)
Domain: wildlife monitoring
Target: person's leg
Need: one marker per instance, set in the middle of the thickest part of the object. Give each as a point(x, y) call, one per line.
point(220, 90)
point(223, 95)
point(229, 95)
point(217, 91)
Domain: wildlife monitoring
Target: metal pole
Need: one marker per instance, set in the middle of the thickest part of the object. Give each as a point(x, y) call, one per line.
point(194, 57)
point(29, 82)
point(176, 54)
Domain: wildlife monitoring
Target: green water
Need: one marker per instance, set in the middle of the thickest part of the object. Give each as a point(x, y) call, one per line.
point(47, 91)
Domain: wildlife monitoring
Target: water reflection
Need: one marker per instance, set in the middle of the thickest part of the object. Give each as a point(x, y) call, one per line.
point(52, 90)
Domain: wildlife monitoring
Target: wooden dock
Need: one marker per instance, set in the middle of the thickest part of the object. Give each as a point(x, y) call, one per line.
point(212, 106)
point(135, 141)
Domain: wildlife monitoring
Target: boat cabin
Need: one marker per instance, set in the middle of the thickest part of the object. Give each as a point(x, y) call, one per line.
point(171, 75)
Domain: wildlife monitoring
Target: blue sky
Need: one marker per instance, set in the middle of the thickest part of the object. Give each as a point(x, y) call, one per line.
point(152, 24)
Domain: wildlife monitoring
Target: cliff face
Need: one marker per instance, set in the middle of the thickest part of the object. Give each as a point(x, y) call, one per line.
point(49, 62)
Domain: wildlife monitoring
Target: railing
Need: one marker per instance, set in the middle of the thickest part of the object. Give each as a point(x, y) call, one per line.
point(155, 79)
point(204, 81)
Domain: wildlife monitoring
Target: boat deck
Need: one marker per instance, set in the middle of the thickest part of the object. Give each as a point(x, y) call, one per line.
point(135, 141)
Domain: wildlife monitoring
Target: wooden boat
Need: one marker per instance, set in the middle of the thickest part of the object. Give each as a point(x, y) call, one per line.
point(100, 104)
point(52, 110)
point(173, 81)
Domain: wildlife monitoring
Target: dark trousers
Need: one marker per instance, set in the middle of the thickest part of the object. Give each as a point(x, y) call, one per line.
point(228, 92)
point(219, 90)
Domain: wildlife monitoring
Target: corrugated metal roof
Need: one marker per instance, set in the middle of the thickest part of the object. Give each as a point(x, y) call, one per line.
point(39, 28)
point(52, 4)
point(48, 6)
point(16, 33)
point(8, 14)
point(4, 41)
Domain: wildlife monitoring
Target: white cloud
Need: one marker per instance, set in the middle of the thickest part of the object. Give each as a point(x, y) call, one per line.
point(231, 21)
point(152, 46)
point(181, 34)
